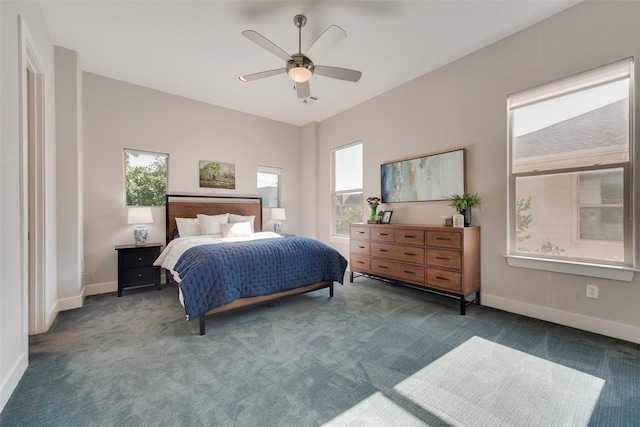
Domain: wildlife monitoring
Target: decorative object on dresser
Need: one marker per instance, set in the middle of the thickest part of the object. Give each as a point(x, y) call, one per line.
point(463, 204)
point(433, 258)
point(278, 214)
point(386, 217)
point(135, 266)
point(138, 216)
point(373, 202)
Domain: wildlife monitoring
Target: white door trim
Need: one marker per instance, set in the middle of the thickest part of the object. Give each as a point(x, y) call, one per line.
point(32, 229)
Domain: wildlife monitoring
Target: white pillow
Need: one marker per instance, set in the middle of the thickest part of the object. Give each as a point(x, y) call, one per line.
point(240, 218)
point(236, 229)
point(188, 227)
point(210, 224)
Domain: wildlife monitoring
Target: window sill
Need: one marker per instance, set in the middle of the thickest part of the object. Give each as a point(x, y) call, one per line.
point(340, 239)
point(621, 273)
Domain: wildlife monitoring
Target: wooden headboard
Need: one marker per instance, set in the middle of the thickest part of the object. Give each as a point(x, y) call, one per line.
point(188, 206)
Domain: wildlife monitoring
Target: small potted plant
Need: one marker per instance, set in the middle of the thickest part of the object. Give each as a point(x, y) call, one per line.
point(463, 204)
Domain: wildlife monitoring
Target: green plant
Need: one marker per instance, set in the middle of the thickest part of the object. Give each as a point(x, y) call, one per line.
point(463, 201)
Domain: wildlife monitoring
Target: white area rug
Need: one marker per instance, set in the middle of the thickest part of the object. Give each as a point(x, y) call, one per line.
point(481, 383)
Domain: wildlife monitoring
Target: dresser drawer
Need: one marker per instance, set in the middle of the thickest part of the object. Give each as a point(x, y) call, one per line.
point(363, 233)
point(398, 270)
point(444, 239)
point(444, 258)
point(140, 276)
point(360, 263)
point(443, 279)
point(398, 252)
point(382, 234)
point(139, 258)
point(410, 237)
point(361, 247)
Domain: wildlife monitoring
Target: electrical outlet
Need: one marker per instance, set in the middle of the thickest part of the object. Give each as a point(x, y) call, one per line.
point(592, 291)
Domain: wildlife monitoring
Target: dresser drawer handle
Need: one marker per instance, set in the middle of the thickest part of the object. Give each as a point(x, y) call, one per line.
point(409, 254)
point(442, 238)
point(383, 266)
point(360, 262)
point(383, 234)
point(139, 258)
point(442, 278)
point(360, 247)
point(409, 272)
point(443, 258)
point(360, 232)
point(139, 274)
point(382, 250)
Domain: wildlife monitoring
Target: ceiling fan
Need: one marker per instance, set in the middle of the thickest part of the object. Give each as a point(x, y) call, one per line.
point(299, 66)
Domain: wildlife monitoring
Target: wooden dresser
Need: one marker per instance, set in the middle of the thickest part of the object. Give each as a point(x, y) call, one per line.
point(429, 257)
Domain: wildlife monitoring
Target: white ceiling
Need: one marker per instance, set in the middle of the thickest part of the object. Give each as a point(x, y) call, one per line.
point(195, 48)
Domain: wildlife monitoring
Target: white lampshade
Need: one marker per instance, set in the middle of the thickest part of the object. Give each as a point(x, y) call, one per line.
point(141, 215)
point(278, 214)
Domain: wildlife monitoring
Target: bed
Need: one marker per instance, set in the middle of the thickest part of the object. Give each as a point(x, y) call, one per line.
point(221, 260)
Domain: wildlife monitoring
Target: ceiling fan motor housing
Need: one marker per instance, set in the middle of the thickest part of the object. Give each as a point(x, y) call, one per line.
point(299, 60)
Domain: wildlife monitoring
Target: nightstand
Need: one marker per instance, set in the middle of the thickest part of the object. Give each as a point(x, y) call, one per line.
point(135, 266)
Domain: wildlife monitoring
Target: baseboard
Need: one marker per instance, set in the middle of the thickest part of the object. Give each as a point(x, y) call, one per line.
point(101, 288)
point(10, 382)
point(578, 321)
point(73, 302)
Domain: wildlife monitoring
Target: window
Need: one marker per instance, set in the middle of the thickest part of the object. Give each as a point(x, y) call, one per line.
point(269, 186)
point(145, 178)
point(347, 188)
point(570, 168)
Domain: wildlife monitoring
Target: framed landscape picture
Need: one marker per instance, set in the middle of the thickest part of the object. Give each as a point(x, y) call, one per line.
point(427, 178)
point(217, 175)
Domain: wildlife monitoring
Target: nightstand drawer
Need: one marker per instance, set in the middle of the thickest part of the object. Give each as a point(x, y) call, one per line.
point(139, 258)
point(135, 265)
point(139, 276)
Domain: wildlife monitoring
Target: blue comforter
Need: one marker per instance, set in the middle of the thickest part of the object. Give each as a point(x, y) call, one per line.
point(217, 274)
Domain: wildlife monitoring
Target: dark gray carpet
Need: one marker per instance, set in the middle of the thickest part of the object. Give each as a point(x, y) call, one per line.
point(305, 361)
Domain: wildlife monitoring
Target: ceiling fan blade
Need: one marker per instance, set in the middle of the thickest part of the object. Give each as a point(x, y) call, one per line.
point(261, 75)
point(338, 73)
point(266, 44)
point(331, 37)
point(303, 90)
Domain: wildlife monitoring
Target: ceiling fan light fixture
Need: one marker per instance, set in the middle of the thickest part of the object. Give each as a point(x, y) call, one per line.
point(300, 74)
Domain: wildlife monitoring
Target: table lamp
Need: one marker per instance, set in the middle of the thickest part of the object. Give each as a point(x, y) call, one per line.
point(139, 216)
point(278, 214)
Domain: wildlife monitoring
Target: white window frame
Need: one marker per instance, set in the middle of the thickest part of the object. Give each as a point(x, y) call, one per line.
point(334, 192)
point(616, 271)
point(128, 151)
point(272, 171)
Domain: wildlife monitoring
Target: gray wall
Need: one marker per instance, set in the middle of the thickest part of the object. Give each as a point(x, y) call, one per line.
point(119, 115)
point(464, 105)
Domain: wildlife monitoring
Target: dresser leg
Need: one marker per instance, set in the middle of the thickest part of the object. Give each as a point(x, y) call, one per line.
point(463, 305)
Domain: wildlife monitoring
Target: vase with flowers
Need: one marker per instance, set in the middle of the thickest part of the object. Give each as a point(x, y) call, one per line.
point(374, 202)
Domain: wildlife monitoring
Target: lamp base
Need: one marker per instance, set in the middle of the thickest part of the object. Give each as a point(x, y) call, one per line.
point(140, 234)
point(277, 227)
